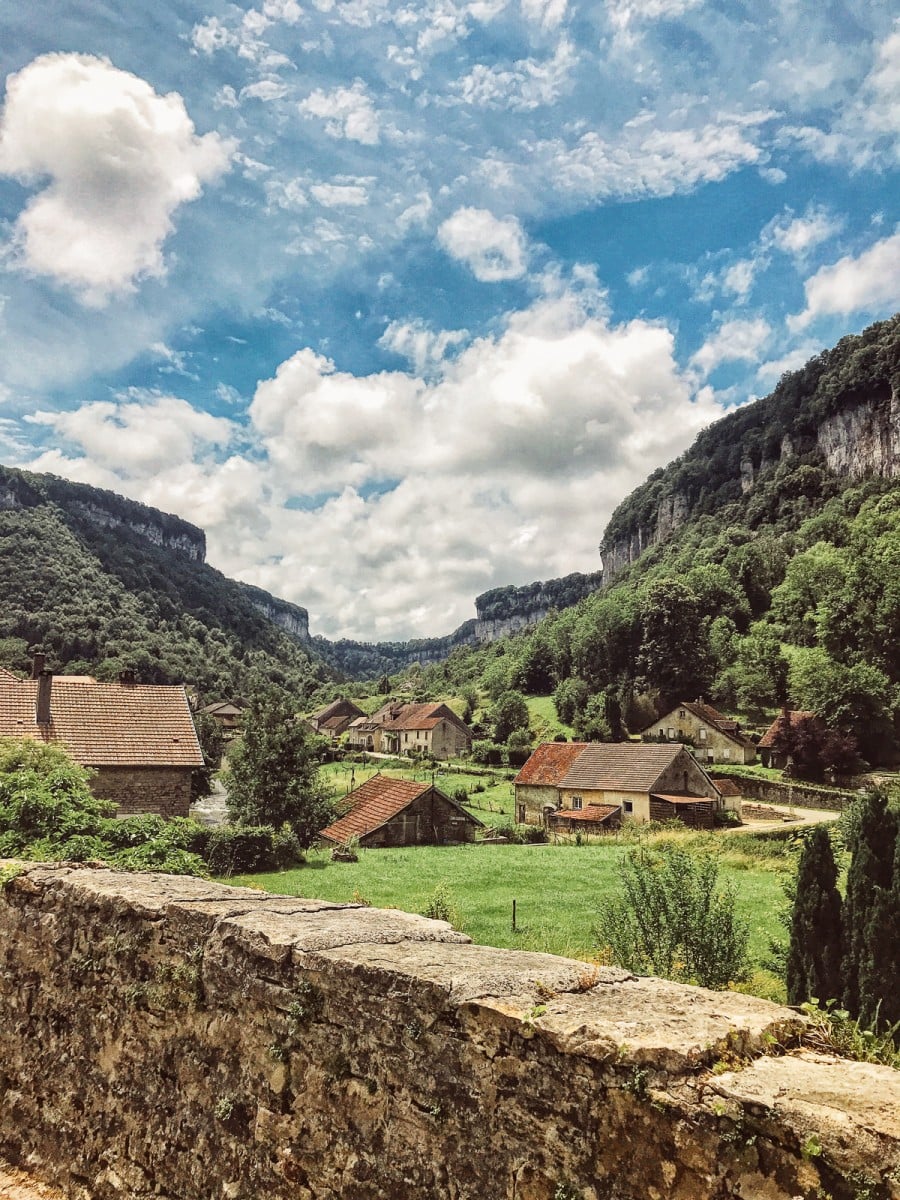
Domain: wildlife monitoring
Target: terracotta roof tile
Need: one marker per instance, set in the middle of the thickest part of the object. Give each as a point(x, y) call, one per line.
point(620, 766)
point(549, 763)
point(423, 716)
point(105, 724)
point(594, 813)
point(795, 715)
point(727, 787)
point(4, 674)
point(373, 803)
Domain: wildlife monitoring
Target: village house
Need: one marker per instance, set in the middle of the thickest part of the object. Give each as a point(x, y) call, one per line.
point(428, 728)
point(334, 719)
point(602, 783)
point(769, 756)
point(138, 739)
point(228, 715)
point(400, 812)
point(715, 737)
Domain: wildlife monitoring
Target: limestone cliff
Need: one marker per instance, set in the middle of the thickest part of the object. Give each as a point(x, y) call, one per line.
point(290, 617)
point(841, 411)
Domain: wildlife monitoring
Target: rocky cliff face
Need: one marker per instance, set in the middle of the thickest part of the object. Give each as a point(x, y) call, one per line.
point(164, 1036)
point(861, 438)
point(290, 617)
point(864, 439)
point(169, 532)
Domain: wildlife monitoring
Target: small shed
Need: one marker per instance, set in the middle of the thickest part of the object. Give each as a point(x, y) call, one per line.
point(385, 811)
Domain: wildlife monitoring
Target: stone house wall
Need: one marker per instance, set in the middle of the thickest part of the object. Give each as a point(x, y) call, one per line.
point(429, 820)
point(167, 1037)
point(710, 744)
point(139, 790)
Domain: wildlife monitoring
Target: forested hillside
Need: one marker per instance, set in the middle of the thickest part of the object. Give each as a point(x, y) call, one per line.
point(762, 567)
point(100, 583)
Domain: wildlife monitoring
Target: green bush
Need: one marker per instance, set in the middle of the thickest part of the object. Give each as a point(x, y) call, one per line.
point(674, 919)
point(249, 849)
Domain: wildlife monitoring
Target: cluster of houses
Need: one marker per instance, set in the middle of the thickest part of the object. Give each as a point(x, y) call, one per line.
point(396, 728)
point(140, 742)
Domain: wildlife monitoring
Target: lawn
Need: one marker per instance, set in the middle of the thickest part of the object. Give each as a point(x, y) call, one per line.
point(558, 888)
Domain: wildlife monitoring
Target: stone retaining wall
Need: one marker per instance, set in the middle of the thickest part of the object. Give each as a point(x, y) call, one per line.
point(168, 1037)
point(801, 795)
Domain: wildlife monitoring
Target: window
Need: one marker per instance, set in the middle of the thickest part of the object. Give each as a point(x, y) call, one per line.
point(681, 712)
point(628, 805)
point(702, 735)
point(576, 804)
point(726, 753)
point(671, 733)
point(520, 814)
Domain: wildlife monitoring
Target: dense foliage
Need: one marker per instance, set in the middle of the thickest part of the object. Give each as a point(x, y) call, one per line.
point(815, 952)
point(273, 771)
point(99, 598)
point(48, 813)
point(786, 592)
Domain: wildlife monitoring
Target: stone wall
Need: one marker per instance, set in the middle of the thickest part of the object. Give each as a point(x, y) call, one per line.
point(171, 1038)
point(801, 795)
point(139, 790)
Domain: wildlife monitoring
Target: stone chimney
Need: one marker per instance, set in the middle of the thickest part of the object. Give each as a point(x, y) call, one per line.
point(42, 706)
point(37, 665)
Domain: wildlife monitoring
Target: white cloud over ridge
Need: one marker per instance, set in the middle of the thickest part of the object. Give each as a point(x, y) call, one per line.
point(120, 159)
point(505, 466)
point(869, 282)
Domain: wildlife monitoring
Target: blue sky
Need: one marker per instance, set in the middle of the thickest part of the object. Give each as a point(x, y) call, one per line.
point(398, 301)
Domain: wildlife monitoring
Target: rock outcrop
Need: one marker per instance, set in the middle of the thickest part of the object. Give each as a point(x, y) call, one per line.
point(168, 1037)
point(290, 617)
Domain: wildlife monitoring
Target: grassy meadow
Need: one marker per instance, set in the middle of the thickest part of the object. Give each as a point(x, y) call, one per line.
point(558, 888)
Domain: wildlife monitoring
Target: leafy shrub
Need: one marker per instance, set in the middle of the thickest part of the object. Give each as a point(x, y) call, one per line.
point(460, 795)
point(249, 849)
point(673, 919)
point(488, 753)
point(534, 834)
point(440, 906)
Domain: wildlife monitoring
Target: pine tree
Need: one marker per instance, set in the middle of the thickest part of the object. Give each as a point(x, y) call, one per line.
point(816, 945)
point(869, 878)
point(879, 971)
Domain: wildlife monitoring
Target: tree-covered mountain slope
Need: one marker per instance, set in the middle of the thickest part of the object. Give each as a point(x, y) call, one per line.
point(100, 582)
point(762, 567)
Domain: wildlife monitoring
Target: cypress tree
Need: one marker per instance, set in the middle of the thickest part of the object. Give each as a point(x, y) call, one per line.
point(879, 971)
point(870, 876)
point(816, 945)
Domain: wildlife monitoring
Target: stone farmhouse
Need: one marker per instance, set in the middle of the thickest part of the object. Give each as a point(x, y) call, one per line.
point(769, 756)
point(599, 784)
point(427, 728)
point(715, 737)
point(400, 812)
point(334, 719)
point(139, 739)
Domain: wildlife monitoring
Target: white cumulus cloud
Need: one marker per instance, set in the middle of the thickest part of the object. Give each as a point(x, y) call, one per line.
point(347, 113)
point(869, 282)
point(112, 159)
point(493, 248)
point(733, 341)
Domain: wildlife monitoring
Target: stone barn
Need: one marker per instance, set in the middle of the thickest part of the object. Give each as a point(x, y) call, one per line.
point(400, 812)
point(139, 739)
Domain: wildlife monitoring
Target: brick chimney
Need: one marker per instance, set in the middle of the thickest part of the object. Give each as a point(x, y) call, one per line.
point(42, 707)
point(37, 665)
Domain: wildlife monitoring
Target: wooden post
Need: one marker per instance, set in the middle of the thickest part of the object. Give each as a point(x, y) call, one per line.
point(514, 916)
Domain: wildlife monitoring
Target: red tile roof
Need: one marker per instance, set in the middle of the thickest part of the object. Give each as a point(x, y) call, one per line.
point(4, 674)
point(595, 813)
point(373, 803)
point(424, 716)
point(549, 763)
point(795, 716)
point(105, 724)
point(727, 787)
